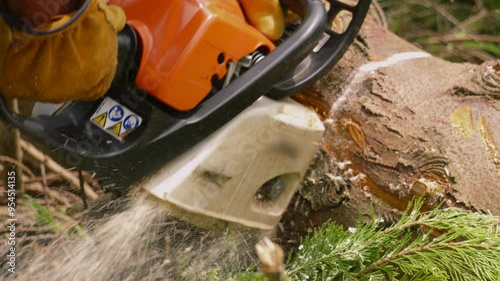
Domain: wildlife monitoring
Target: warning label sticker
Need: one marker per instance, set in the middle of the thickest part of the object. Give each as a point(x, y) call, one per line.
point(115, 119)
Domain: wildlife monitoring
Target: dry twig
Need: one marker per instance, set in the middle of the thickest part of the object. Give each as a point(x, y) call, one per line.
point(17, 163)
point(52, 194)
point(56, 168)
point(82, 191)
point(271, 256)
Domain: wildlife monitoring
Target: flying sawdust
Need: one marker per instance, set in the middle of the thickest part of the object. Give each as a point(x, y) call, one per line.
point(143, 242)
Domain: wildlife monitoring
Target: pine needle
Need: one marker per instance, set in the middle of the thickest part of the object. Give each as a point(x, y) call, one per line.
point(439, 245)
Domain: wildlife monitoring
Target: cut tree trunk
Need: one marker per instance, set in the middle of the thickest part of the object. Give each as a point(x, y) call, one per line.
point(401, 123)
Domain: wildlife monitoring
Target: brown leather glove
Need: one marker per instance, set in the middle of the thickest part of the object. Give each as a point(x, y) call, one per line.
point(77, 63)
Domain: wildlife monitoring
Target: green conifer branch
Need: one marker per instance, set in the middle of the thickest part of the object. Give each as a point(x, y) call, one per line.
point(457, 246)
point(438, 245)
point(453, 246)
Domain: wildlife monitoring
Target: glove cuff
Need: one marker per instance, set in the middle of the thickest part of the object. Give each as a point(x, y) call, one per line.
point(54, 25)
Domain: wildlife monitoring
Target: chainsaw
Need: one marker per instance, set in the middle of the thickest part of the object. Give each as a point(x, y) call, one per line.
point(199, 113)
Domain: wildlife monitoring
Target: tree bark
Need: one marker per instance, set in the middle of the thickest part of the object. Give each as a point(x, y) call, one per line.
point(400, 123)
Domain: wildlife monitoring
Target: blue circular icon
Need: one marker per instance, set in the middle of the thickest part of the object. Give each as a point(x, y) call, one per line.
point(131, 122)
point(116, 113)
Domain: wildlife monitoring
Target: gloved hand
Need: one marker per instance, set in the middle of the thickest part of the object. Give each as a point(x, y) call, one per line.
point(77, 63)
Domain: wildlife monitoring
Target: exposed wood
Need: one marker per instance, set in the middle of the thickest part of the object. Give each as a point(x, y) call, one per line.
point(401, 123)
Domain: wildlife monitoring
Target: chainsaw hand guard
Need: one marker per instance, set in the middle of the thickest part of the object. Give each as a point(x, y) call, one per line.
point(327, 53)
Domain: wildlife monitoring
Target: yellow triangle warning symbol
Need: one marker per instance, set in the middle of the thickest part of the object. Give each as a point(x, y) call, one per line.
point(115, 129)
point(101, 119)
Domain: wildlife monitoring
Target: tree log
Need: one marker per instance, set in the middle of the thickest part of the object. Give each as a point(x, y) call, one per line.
point(401, 123)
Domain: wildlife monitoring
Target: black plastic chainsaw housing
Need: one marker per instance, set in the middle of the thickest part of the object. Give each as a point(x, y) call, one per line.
point(71, 138)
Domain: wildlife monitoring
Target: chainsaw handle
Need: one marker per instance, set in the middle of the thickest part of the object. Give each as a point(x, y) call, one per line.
point(325, 56)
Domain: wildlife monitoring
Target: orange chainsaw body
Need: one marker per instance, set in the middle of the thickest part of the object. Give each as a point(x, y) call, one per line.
point(187, 42)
